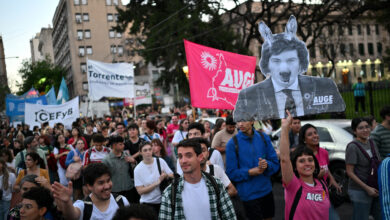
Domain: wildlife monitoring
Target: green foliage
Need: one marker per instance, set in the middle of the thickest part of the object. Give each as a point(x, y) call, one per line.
point(41, 75)
point(161, 27)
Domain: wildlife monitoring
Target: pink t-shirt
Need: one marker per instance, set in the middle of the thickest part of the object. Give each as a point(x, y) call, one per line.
point(171, 129)
point(314, 202)
point(323, 159)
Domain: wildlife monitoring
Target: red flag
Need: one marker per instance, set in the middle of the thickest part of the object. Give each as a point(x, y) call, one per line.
point(216, 76)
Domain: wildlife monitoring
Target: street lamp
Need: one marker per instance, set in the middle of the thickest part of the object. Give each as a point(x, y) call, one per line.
point(185, 70)
point(3, 58)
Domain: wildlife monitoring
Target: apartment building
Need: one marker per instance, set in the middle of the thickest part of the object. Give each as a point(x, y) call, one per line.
point(42, 45)
point(83, 29)
point(3, 69)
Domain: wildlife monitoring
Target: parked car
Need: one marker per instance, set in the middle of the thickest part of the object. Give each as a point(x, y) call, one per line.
point(334, 135)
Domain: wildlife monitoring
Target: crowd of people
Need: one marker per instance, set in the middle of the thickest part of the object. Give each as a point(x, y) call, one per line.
point(172, 167)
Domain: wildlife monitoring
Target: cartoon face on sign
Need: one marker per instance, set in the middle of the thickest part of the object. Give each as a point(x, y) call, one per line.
point(284, 59)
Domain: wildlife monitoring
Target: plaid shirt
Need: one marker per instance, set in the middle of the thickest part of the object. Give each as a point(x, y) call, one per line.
point(227, 209)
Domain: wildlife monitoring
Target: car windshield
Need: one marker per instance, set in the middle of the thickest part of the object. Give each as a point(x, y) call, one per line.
point(349, 129)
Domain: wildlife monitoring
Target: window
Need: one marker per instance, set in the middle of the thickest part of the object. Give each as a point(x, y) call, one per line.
point(350, 29)
point(108, 2)
point(89, 49)
point(118, 35)
point(376, 29)
point(85, 86)
point(370, 48)
point(76, 2)
point(78, 18)
point(324, 134)
point(86, 17)
point(368, 29)
point(87, 34)
point(110, 17)
point(120, 50)
point(379, 48)
point(113, 49)
point(313, 52)
point(79, 34)
point(115, 2)
point(81, 51)
point(111, 33)
point(351, 50)
point(332, 51)
point(83, 67)
point(361, 49)
point(342, 50)
point(359, 29)
point(84, 2)
point(373, 72)
point(341, 30)
point(330, 30)
point(116, 17)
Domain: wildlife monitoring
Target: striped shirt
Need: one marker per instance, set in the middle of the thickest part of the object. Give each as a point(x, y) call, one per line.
point(384, 187)
point(94, 156)
point(381, 136)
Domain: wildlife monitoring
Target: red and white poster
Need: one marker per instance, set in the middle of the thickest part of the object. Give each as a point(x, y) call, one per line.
point(216, 76)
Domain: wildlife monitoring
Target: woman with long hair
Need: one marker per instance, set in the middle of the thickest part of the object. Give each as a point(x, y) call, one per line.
point(219, 125)
point(33, 163)
point(358, 156)
point(160, 125)
point(7, 180)
point(147, 177)
point(306, 195)
point(61, 150)
point(180, 134)
point(7, 155)
point(159, 151)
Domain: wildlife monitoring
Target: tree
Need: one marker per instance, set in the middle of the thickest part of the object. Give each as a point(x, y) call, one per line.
point(41, 75)
point(161, 27)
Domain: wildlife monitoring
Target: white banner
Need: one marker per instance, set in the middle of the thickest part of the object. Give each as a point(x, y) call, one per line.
point(143, 94)
point(66, 113)
point(110, 80)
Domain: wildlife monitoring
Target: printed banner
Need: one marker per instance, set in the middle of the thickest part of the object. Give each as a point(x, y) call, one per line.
point(15, 105)
point(143, 96)
point(66, 113)
point(284, 60)
point(110, 80)
point(216, 77)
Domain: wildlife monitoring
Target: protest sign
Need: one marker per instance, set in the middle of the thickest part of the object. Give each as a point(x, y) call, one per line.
point(66, 113)
point(110, 80)
point(284, 60)
point(216, 77)
point(15, 106)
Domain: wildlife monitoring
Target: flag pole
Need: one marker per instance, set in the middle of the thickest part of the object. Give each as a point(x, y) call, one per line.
point(89, 106)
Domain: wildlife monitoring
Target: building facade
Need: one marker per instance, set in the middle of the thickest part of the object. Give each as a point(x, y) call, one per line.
point(42, 45)
point(35, 54)
point(83, 29)
point(3, 69)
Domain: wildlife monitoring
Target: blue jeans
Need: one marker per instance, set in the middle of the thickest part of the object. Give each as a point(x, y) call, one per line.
point(364, 205)
point(4, 207)
point(333, 215)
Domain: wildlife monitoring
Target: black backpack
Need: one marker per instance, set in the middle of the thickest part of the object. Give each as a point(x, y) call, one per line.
point(297, 197)
point(174, 191)
point(88, 205)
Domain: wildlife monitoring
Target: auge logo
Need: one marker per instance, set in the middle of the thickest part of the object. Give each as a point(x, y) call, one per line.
point(225, 79)
point(45, 116)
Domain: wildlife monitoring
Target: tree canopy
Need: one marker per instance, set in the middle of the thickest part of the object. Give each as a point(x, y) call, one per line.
point(41, 75)
point(162, 25)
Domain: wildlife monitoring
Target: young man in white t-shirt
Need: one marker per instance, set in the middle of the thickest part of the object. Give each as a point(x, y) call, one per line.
point(97, 178)
point(196, 193)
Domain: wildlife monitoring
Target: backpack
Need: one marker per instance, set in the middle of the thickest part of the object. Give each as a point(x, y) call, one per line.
point(211, 150)
point(22, 164)
point(236, 146)
point(88, 205)
point(372, 179)
point(297, 197)
point(174, 189)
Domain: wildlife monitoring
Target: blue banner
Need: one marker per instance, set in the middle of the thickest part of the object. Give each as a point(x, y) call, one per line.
point(15, 106)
